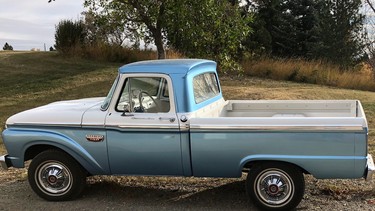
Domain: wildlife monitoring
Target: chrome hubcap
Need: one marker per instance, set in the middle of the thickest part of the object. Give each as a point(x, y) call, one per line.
point(54, 178)
point(274, 187)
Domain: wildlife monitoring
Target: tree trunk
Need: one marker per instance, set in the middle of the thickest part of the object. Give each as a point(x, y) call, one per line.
point(159, 44)
point(158, 34)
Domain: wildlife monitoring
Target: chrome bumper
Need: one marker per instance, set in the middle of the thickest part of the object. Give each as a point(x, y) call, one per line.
point(370, 168)
point(4, 162)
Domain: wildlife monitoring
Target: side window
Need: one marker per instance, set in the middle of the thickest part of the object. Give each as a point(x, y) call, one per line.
point(165, 90)
point(144, 94)
point(205, 87)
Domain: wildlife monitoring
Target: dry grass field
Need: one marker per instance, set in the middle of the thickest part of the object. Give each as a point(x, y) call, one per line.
point(30, 79)
point(33, 79)
point(314, 72)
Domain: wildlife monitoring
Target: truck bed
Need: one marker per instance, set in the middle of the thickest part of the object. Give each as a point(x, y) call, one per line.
point(292, 108)
point(319, 115)
point(316, 135)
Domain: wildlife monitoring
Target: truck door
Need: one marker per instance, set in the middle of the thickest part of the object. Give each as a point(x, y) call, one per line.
point(142, 128)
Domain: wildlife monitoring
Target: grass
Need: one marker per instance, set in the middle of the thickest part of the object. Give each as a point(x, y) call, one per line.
point(33, 79)
point(314, 72)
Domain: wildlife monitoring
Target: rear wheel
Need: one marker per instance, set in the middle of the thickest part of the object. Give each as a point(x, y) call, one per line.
point(56, 176)
point(275, 186)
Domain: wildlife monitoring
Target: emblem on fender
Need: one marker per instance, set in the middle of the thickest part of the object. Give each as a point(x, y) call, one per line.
point(95, 138)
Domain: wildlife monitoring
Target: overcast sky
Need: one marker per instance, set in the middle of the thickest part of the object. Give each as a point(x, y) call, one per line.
point(27, 24)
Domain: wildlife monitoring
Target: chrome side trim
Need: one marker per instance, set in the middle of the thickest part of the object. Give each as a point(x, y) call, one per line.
point(58, 125)
point(3, 162)
point(144, 126)
point(45, 125)
point(370, 168)
point(277, 128)
point(171, 126)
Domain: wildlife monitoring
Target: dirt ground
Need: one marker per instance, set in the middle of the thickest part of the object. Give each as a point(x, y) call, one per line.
point(171, 193)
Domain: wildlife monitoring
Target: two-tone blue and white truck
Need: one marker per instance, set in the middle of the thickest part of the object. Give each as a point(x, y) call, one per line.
point(168, 118)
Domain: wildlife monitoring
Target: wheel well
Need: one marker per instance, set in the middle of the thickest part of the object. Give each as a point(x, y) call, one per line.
point(33, 151)
point(251, 164)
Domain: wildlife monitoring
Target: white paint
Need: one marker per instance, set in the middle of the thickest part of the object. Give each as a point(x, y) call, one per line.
point(279, 114)
point(58, 113)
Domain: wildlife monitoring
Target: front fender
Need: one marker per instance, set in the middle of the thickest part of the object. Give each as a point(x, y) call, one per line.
point(17, 141)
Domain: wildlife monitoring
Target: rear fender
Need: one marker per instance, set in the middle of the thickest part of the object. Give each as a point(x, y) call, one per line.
point(321, 167)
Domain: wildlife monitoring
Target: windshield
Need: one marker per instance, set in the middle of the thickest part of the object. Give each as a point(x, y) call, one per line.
point(107, 100)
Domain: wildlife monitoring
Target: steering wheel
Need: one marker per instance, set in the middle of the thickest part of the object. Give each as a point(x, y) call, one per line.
point(147, 94)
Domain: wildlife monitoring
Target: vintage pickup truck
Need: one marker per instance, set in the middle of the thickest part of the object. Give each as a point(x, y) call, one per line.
point(169, 118)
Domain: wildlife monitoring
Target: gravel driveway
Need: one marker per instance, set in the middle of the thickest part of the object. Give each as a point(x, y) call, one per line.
point(171, 193)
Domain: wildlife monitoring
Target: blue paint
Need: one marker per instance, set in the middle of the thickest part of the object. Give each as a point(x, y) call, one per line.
point(93, 156)
point(145, 152)
point(182, 72)
point(324, 155)
point(166, 66)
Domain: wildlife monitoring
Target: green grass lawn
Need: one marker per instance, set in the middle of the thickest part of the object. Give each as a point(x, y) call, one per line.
point(30, 79)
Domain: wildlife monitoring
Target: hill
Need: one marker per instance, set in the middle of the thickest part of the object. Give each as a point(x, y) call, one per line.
point(30, 79)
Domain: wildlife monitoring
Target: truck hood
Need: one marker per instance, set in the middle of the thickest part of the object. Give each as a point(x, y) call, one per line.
point(57, 113)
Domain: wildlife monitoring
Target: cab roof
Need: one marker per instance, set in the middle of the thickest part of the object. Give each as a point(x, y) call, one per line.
point(166, 66)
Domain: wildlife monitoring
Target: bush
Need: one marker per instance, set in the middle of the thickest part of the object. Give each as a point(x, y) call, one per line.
point(7, 47)
point(114, 53)
point(70, 37)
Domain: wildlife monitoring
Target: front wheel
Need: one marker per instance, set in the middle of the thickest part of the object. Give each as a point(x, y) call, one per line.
point(275, 186)
point(55, 176)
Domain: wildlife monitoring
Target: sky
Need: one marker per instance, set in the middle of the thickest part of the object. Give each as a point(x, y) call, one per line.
point(27, 24)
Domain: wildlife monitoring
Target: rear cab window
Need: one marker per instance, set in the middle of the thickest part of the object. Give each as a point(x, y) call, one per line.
point(205, 87)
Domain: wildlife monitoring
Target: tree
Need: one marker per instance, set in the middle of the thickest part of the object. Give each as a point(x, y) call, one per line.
point(208, 29)
point(107, 27)
point(285, 28)
point(340, 32)
point(300, 20)
point(145, 16)
point(370, 41)
point(331, 30)
point(7, 47)
point(69, 35)
point(155, 21)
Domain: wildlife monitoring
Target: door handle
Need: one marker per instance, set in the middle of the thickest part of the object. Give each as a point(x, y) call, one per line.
point(167, 119)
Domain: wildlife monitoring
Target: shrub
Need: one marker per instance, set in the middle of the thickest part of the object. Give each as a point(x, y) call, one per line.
point(70, 37)
point(7, 47)
point(115, 53)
